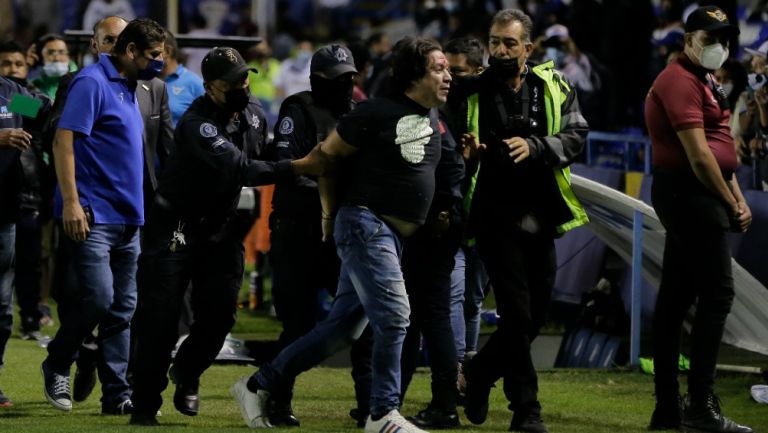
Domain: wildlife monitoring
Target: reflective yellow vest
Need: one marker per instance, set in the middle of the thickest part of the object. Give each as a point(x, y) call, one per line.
point(554, 98)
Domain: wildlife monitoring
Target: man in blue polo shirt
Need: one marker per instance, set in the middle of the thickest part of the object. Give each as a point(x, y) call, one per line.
point(184, 86)
point(99, 165)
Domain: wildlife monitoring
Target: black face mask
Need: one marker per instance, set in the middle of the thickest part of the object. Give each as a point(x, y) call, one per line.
point(333, 94)
point(236, 100)
point(504, 68)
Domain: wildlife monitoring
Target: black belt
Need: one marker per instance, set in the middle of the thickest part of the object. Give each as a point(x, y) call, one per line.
point(207, 222)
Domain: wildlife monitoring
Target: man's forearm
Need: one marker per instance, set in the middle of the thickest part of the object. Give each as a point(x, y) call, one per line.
point(737, 191)
point(326, 185)
point(708, 173)
point(64, 158)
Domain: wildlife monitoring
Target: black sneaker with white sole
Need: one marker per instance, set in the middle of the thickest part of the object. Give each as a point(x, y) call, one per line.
point(56, 388)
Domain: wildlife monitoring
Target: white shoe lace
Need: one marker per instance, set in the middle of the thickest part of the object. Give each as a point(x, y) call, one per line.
point(60, 385)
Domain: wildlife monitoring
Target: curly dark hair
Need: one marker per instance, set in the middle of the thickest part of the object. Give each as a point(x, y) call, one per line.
point(409, 61)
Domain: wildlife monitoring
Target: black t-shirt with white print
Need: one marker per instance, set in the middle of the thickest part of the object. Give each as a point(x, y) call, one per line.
point(393, 171)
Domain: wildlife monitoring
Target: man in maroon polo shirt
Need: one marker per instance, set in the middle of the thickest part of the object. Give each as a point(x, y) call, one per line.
point(698, 201)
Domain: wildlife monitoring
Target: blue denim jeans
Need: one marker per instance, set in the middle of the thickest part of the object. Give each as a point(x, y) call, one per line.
point(104, 268)
point(7, 249)
point(371, 287)
point(458, 284)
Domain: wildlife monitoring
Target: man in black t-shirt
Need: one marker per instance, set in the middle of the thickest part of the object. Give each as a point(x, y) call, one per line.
point(392, 146)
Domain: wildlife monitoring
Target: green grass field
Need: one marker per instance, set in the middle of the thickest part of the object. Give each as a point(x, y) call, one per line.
point(574, 401)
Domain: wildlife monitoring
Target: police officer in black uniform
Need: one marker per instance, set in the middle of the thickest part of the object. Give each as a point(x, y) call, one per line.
point(190, 235)
point(302, 264)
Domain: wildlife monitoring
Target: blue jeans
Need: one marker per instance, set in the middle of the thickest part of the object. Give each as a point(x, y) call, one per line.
point(458, 284)
point(371, 287)
point(104, 267)
point(7, 249)
point(476, 285)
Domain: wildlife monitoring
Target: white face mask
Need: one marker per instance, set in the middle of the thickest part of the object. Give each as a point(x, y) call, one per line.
point(55, 69)
point(711, 56)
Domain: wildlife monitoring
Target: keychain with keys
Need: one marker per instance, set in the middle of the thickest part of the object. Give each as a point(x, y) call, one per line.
point(178, 237)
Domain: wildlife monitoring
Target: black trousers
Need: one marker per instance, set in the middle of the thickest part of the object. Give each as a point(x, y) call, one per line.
point(27, 277)
point(696, 270)
point(521, 268)
point(302, 265)
point(427, 266)
point(214, 265)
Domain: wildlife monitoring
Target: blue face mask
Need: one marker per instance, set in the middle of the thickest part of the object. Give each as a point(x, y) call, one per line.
point(153, 69)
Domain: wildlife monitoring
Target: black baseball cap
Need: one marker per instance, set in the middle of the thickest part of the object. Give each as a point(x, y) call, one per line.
point(224, 63)
point(709, 19)
point(332, 61)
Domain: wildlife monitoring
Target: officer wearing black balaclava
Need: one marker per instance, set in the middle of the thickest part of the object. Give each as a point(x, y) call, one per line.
point(192, 234)
point(302, 264)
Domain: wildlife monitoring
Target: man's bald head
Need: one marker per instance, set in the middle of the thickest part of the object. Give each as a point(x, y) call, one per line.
point(105, 34)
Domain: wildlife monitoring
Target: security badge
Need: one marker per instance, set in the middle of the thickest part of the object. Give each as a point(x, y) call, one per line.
point(207, 130)
point(286, 125)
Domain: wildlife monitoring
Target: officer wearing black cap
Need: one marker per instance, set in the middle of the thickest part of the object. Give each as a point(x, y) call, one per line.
point(190, 236)
point(698, 200)
point(302, 264)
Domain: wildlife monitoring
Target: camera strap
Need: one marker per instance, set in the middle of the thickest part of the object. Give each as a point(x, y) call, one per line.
point(525, 102)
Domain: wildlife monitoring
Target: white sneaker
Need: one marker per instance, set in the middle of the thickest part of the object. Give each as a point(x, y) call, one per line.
point(392, 422)
point(253, 406)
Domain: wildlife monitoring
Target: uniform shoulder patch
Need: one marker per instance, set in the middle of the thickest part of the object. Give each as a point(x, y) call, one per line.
point(207, 130)
point(286, 125)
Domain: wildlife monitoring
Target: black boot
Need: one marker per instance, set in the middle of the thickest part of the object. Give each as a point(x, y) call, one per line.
point(433, 418)
point(186, 399)
point(666, 415)
point(359, 415)
point(85, 374)
point(477, 394)
point(702, 415)
point(280, 413)
point(528, 419)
